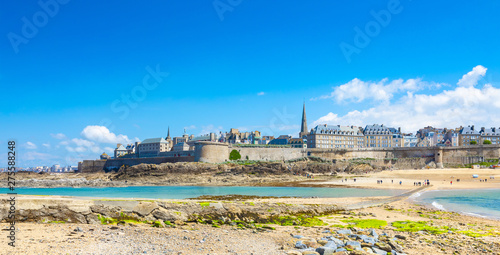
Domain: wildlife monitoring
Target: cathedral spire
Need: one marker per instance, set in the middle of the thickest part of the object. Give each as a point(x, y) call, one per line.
point(168, 133)
point(303, 127)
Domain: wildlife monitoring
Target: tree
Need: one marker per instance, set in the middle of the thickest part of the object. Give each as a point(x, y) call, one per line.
point(473, 142)
point(487, 142)
point(234, 155)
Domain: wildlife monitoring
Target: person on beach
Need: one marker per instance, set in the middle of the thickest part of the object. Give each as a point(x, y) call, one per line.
point(451, 182)
point(400, 182)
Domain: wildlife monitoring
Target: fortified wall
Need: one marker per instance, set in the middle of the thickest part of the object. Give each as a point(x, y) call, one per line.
point(402, 158)
point(92, 166)
point(219, 152)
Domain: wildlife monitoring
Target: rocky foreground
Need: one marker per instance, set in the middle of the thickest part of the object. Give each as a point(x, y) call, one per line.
point(254, 226)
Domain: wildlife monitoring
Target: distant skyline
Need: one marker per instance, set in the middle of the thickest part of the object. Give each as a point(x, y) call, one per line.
point(78, 77)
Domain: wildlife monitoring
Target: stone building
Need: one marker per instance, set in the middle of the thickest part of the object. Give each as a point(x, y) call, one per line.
point(152, 147)
point(430, 136)
point(234, 136)
point(281, 140)
point(120, 150)
point(490, 134)
point(467, 135)
point(381, 136)
point(298, 143)
point(332, 137)
point(410, 140)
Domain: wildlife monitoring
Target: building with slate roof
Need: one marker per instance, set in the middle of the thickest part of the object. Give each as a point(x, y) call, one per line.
point(332, 137)
point(490, 134)
point(152, 147)
point(380, 136)
point(467, 135)
point(120, 150)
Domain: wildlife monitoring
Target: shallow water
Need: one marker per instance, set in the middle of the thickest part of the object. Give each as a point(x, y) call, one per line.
point(482, 203)
point(182, 192)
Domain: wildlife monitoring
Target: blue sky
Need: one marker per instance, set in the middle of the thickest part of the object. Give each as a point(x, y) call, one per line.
point(243, 64)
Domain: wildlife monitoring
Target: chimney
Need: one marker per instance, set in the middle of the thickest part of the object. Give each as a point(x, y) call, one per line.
point(399, 129)
point(472, 128)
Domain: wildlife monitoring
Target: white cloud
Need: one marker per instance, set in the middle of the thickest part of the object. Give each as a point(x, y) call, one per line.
point(261, 93)
point(82, 142)
point(471, 78)
point(59, 136)
point(458, 106)
point(64, 143)
point(357, 90)
point(47, 145)
point(190, 127)
point(30, 146)
point(109, 149)
point(210, 129)
point(102, 134)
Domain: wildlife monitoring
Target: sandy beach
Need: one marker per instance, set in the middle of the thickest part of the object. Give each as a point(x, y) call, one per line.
point(439, 179)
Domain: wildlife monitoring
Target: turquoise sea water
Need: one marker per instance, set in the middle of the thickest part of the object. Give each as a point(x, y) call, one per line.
point(181, 192)
point(483, 203)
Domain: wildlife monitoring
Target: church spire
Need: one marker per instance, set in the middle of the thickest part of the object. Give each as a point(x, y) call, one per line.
point(303, 127)
point(168, 133)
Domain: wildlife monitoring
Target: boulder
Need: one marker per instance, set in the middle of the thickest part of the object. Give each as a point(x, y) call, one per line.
point(145, 208)
point(325, 251)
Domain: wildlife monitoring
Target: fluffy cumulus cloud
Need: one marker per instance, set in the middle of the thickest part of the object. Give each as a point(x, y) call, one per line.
point(101, 134)
point(464, 104)
point(471, 78)
point(357, 90)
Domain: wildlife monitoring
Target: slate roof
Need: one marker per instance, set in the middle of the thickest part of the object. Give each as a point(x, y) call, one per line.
point(121, 148)
point(154, 140)
point(338, 129)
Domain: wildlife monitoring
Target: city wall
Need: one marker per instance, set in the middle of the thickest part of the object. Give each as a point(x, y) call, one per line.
point(92, 166)
point(401, 158)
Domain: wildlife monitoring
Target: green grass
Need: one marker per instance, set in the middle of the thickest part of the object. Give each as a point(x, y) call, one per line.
point(415, 226)
point(56, 221)
point(368, 223)
point(300, 220)
point(338, 226)
point(473, 233)
point(204, 204)
point(156, 224)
